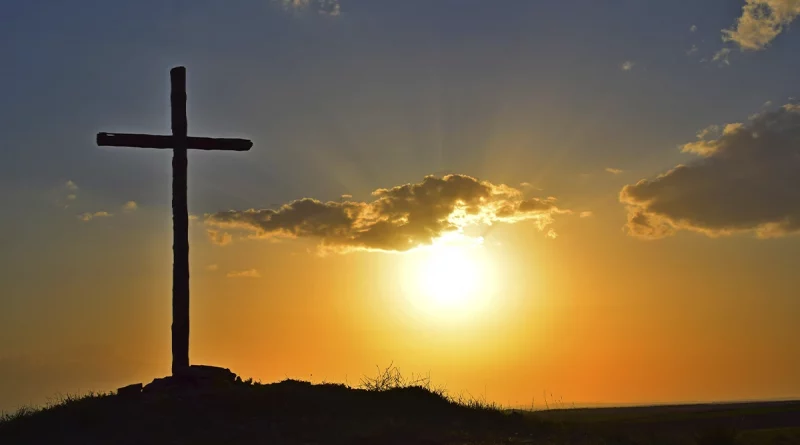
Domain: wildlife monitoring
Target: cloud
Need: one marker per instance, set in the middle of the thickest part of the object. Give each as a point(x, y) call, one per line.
point(250, 273)
point(613, 171)
point(71, 191)
point(708, 139)
point(398, 219)
point(527, 186)
point(722, 56)
point(212, 267)
point(693, 28)
point(325, 7)
point(347, 196)
point(693, 50)
point(130, 206)
point(586, 214)
point(627, 65)
point(746, 179)
point(220, 238)
point(761, 22)
point(88, 216)
point(646, 225)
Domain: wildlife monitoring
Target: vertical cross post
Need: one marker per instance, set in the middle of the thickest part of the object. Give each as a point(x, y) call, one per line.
point(179, 143)
point(180, 225)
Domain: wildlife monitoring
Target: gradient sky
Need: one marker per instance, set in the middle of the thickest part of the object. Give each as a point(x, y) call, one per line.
point(679, 288)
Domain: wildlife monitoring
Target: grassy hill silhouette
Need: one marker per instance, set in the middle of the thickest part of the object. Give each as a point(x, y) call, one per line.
point(386, 409)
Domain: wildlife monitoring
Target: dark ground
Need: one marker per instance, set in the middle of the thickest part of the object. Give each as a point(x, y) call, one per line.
point(293, 412)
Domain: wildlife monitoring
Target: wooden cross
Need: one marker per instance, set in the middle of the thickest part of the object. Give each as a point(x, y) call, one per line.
point(179, 142)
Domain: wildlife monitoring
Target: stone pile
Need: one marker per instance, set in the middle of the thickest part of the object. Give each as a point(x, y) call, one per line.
point(197, 377)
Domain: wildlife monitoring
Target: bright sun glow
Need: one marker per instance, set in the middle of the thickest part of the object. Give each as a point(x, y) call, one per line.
point(450, 276)
point(451, 280)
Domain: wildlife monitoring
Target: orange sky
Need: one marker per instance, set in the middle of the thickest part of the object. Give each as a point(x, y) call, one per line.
point(575, 317)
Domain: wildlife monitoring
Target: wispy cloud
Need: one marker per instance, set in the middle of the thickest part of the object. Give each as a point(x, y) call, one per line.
point(88, 216)
point(220, 238)
point(627, 65)
point(70, 189)
point(761, 22)
point(527, 186)
point(613, 171)
point(692, 50)
point(586, 214)
point(693, 28)
point(130, 206)
point(250, 273)
point(326, 7)
point(722, 56)
point(400, 218)
point(212, 267)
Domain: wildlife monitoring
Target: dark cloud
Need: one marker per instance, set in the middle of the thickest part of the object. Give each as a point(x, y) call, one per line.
point(747, 179)
point(398, 219)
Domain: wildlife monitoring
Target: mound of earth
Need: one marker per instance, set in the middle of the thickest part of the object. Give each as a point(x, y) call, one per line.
point(224, 410)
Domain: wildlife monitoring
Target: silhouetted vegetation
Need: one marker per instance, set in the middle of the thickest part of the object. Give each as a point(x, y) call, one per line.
point(385, 409)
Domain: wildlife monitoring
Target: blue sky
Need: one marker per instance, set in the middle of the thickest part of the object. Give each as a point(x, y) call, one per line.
point(426, 82)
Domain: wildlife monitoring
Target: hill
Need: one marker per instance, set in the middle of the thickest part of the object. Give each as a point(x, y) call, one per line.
point(385, 410)
point(291, 412)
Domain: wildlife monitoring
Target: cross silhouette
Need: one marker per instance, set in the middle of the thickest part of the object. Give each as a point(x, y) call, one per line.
point(179, 142)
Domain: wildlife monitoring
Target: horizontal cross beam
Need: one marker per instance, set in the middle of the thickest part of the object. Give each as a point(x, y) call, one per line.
point(169, 142)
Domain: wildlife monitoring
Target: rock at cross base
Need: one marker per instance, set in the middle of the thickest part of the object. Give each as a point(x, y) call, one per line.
point(197, 377)
point(130, 390)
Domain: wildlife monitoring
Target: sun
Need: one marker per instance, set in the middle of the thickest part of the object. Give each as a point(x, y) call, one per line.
point(452, 279)
point(449, 276)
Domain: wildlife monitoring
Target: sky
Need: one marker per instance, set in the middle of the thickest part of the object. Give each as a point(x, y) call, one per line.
point(583, 202)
